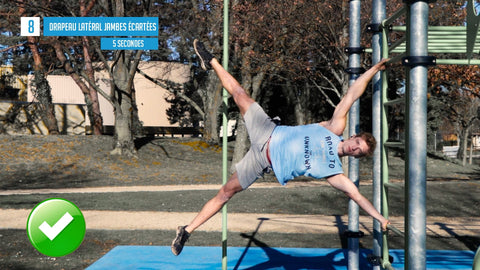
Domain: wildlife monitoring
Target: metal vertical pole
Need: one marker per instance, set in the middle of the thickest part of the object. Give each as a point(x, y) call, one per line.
point(417, 45)
point(225, 132)
point(384, 153)
point(354, 119)
point(378, 15)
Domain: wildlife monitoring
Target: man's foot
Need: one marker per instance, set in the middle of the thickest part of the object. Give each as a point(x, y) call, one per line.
point(203, 54)
point(180, 239)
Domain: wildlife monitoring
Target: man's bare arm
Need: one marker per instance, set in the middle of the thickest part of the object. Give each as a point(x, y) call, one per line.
point(339, 119)
point(342, 183)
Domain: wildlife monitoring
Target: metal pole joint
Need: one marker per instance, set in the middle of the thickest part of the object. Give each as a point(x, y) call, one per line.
point(355, 71)
point(374, 28)
point(413, 61)
point(352, 234)
point(354, 50)
point(409, 2)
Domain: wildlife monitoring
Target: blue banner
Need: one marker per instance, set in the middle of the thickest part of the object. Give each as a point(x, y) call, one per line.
point(100, 26)
point(129, 43)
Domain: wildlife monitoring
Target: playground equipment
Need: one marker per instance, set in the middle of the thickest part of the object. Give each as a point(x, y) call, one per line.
point(354, 69)
point(225, 130)
point(412, 50)
point(416, 60)
point(476, 260)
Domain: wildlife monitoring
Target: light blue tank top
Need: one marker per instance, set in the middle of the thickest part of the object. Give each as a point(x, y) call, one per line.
point(309, 150)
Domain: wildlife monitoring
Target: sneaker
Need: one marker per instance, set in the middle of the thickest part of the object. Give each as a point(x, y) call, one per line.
point(180, 239)
point(203, 54)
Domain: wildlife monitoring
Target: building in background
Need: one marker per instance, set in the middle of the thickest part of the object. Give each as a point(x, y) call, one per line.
point(70, 105)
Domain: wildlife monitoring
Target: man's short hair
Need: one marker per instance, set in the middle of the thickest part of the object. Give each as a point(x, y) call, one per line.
point(370, 140)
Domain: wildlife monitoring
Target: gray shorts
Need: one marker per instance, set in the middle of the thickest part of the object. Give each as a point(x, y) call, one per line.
point(255, 163)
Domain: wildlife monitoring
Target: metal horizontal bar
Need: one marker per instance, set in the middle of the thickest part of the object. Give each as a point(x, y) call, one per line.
point(438, 50)
point(400, 42)
point(395, 16)
point(447, 28)
point(396, 58)
point(433, 28)
point(394, 144)
point(439, 46)
point(395, 230)
point(449, 32)
point(458, 62)
point(446, 40)
point(394, 101)
point(441, 32)
point(394, 186)
point(460, 34)
point(447, 51)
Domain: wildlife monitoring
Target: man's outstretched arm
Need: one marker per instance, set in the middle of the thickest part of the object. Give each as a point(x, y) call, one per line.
point(339, 119)
point(342, 183)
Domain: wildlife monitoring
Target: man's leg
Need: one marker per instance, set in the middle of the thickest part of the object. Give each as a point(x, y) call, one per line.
point(243, 101)
point(241, 98)
point(216, 203)
point(209, 210)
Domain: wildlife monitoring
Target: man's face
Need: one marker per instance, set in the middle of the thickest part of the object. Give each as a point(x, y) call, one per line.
point(355, 146)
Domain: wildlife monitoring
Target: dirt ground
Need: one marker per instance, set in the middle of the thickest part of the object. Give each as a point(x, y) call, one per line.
point(80, 161)
point(53, 162)
point(84, 161)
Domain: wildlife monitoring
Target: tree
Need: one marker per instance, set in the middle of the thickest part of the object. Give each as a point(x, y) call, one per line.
point(453, 89)
point(42, 90)
point(45, 50)
point(458, 87)
point(184, 21)
point(449, 86)
point(75, 55)
point(91, 95)
point(121, 73)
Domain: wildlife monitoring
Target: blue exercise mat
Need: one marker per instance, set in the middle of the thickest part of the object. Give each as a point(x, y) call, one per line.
point(160, 257)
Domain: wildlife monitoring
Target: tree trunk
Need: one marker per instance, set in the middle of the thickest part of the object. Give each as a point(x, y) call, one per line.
point(91, 98)
point(42, 91)
point(296, 98)
point(464, 145)
point(124, 144)
point(299, 113)
point(93, 108)
point(212, 100)
point(124, 70)
point(471, 151)
point(43, 95)
point(464, 150)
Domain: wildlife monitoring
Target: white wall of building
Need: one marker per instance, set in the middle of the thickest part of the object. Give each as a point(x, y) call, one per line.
point(150, 97)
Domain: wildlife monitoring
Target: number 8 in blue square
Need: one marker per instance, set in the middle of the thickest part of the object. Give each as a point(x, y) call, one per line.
point(30, 26)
